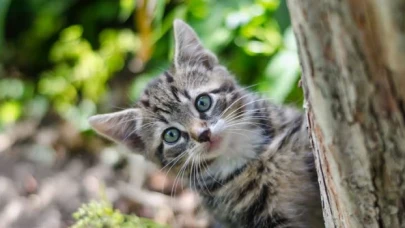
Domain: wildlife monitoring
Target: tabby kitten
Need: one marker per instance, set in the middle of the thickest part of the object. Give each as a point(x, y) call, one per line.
point(249, 160)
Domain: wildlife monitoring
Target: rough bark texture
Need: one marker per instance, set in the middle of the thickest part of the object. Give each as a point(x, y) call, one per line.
point(352, 54)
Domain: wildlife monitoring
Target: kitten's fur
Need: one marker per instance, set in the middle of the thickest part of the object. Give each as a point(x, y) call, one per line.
point(262, 172)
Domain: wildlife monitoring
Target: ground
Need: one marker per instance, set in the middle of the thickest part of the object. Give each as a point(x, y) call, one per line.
point(47, 170)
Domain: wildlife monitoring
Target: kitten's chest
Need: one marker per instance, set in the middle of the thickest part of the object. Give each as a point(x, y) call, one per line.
point(240, 201)
point(267, 193)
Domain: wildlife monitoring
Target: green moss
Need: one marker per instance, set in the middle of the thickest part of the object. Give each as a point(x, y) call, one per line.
point(101, 214)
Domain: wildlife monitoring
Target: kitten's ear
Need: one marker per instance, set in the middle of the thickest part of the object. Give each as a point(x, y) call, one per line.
point(122, 127)
point(189, 50)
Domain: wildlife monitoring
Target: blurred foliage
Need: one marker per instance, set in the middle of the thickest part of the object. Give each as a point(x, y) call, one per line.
point(101, 214)
point(73, 57)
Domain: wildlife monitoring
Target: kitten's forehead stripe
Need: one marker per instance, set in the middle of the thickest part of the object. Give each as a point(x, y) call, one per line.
point(186, 94)
point(158, 109)
point(169, 77)
point(206, 63)
point(174, 91)
point(163, 119)
point(219, 107)
point(224, 88)
point(145, 103)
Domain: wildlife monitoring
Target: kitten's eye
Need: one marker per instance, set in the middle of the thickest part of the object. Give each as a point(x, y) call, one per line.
point(171, 135)
point(203, 103)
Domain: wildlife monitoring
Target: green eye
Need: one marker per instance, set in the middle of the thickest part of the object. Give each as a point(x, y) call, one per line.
point(171, 135)
point(203, 103)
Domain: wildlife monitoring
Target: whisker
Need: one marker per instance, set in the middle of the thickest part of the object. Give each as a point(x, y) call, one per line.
point(232, 104)
point(196, 170)
point(208, 172)
point(174, 162)
point(244, 105)
point(179, 174)
point(244, 117)
point(247, 123)
point(204, 184)
point(246, 130)
point(238, 133)
point(191, 173)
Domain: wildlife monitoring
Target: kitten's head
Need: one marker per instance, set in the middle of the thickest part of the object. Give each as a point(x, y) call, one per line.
point(182, 114)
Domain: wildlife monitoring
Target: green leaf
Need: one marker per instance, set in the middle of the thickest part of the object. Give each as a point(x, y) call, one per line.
point(102, 214)
point(178, 12)
point(10, 111)
point(159, 13)
point(126, 9)
point(282, 71)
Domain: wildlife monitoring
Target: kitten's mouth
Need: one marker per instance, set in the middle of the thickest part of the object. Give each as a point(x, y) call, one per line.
point(214, 143)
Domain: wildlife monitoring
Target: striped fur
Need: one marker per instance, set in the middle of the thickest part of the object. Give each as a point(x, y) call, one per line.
point(260, 174)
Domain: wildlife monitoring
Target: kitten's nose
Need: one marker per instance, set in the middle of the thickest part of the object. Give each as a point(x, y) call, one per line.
point(204, 136)
point(200, 131)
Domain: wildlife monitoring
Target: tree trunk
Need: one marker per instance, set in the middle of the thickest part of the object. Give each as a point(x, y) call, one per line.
point(352, 54)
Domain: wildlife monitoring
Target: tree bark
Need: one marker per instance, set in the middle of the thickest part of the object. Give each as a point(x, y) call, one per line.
point(352, 54)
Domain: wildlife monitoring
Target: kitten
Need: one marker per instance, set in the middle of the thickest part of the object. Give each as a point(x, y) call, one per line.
point(249, 160)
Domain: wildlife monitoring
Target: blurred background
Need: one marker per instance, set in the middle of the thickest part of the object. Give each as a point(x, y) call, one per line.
point(62, 61)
